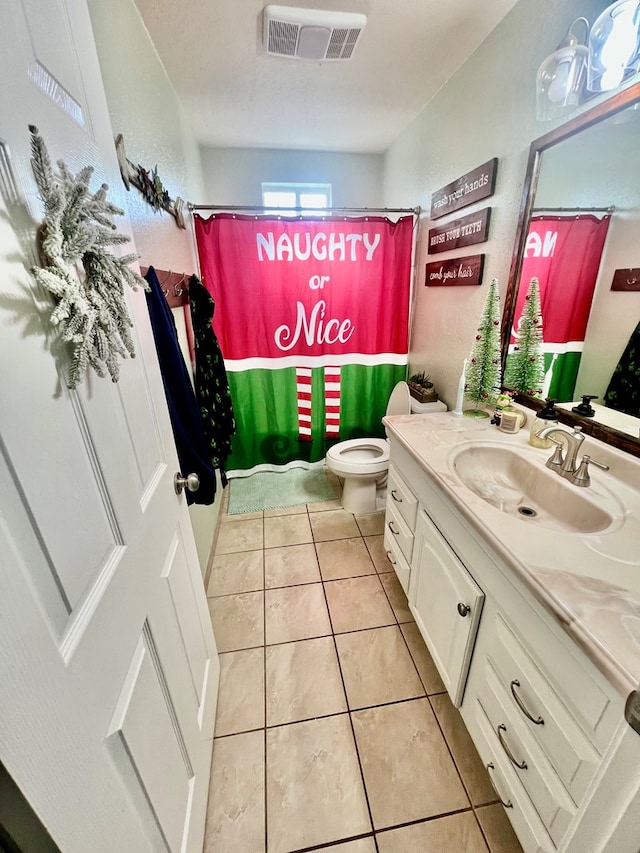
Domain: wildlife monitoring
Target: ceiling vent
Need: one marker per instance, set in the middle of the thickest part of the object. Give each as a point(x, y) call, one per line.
point(311, 33)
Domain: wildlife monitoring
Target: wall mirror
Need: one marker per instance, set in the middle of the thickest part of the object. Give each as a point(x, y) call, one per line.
point(587, 169)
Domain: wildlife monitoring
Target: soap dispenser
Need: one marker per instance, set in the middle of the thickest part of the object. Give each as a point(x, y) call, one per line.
point(585, 408)
point(546, 417)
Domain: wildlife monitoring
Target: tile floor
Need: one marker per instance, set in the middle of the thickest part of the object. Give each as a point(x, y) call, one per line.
point(334, 732)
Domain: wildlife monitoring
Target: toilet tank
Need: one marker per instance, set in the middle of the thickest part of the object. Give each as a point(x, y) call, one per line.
point(400, 400)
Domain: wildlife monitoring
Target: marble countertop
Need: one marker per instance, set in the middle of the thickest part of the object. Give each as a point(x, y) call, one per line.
point(589, 582)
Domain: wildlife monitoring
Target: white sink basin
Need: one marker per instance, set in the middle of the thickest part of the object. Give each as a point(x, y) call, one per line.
point(525, 489)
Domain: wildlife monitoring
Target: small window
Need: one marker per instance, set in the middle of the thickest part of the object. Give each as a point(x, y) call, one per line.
point(311, 198)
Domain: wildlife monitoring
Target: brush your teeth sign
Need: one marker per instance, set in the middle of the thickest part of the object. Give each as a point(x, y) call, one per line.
point(312, 319)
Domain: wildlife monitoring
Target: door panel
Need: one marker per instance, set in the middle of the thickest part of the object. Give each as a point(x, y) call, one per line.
point(107, 660)
point(183, 598)
point(146, 725)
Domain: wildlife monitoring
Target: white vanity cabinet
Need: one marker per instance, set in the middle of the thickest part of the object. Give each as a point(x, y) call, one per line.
point(547, 724)
point(446, 603)
point(444, 599)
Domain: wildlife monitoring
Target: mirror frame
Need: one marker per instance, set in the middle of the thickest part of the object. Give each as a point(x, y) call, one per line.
point(601, 111)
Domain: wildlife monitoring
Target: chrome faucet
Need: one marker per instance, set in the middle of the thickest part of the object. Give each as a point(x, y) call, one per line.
point(565, 466)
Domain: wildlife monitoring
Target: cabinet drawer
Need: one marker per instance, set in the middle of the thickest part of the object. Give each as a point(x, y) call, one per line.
point(446, 603)
point(397, 560)
point(535, 702)
point(397, 527)
point(531, 766)
point(402, 498)
point(530, 830)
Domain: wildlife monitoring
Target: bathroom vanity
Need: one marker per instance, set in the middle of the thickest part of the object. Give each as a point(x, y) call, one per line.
point(526, 589)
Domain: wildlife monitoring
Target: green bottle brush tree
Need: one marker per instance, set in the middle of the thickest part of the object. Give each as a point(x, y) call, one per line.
point(482, 379)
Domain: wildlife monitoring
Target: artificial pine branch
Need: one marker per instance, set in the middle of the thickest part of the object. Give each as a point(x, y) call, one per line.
point(91, 311)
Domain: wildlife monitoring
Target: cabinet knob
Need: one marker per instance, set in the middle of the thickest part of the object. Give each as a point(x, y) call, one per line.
point(463, 609)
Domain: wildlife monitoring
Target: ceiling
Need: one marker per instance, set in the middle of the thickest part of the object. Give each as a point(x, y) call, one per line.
point(235, 95)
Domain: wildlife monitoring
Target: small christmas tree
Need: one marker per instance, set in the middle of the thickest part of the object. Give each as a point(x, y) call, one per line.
point(525, 365)
point(482, 383)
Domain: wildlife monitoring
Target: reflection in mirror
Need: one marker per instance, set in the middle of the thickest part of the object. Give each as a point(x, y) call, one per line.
point(580, 222)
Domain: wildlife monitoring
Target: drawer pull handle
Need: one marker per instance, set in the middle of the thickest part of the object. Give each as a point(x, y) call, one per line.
point(520, 765)
point(392, 529)
point(508, 804)
point(393, 562)
point(395, 497)
point(463, 609)
point(515, 683)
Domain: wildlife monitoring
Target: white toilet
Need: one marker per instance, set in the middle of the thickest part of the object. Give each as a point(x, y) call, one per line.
point(363, 463)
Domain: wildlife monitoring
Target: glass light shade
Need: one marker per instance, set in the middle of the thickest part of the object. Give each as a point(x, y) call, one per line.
point(560, 82)
point(614, 46)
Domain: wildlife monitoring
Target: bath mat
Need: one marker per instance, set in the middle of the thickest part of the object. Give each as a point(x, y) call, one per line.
point(270, 490)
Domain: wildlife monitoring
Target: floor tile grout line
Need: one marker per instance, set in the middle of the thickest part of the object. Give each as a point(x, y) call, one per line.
point(413, 660)
point(264, 683)
point(479, 822)
point(421, 820)
point(332, 844)
point(451, 753)
point(353, 733)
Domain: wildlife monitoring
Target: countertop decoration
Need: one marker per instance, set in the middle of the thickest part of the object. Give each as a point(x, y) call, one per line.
point(524, 369)
point(483, 367)
point(87, 281)
point(422, 388)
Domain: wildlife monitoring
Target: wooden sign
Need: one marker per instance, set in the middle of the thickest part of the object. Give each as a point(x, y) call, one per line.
point(626, 280)
point(472, 187)
point(466, 231)
point(455, 271)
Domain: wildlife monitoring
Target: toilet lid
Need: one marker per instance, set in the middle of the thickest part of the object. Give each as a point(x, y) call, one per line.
point(400, 400)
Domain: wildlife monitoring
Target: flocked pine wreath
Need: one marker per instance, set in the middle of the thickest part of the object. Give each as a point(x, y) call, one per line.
point(91, 311)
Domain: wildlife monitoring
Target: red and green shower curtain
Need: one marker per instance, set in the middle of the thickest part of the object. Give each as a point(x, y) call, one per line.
point(312, 318)
point(563, 253)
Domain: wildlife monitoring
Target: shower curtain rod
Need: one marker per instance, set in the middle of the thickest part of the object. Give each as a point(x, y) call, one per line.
point(260, 207)
point(609, 209)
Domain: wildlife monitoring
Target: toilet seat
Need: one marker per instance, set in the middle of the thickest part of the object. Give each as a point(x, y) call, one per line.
point(363, 463)
point(360, 455)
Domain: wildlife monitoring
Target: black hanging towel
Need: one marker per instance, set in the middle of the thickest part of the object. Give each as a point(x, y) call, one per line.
point(181, 400)
point(212, 387)
point(623, 393)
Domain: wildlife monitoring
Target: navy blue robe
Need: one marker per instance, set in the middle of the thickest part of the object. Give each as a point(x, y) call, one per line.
point(184, 411)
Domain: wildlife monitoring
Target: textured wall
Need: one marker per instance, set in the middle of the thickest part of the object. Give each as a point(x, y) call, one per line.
point(234, 175)
point(145, 109)
point(485, 110)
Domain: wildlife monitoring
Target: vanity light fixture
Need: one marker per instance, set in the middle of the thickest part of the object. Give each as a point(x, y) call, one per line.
point(561, 77)
point(614, 46)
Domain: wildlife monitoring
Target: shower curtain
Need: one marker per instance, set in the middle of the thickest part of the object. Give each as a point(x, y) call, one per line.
point(563, 253)
point(312, 318)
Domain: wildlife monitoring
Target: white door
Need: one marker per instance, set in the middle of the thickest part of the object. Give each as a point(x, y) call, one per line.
point(108, 671)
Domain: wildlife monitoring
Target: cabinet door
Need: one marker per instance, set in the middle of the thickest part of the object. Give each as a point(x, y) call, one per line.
point(446, 604)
